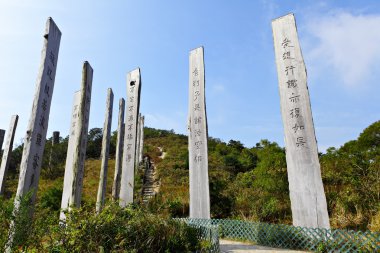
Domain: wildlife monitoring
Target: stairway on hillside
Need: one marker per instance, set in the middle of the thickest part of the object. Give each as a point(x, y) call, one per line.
point(150, 184)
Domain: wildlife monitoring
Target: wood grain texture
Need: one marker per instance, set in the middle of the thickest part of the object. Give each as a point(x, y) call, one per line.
point(198, 133)
point(76, 151)
point(7, 152)
point(34, 141)
point(130, 136)
point(119, 151)
point(105, 152)
point(308, 201)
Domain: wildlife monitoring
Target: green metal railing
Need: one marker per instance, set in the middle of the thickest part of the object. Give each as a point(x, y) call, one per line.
point(290, 237)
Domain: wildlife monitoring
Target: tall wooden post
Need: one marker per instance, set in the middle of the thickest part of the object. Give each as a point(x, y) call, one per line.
point(198, 153)
point(34, 141)
point(7, 152)
point(119, 151)
point(129, 150)
point(105, 152)
point(308, 201)
point(54, 141)
point(76, 150)
point(55, 137)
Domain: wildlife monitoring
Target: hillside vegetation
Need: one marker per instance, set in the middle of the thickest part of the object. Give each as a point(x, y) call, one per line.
point(245, 183)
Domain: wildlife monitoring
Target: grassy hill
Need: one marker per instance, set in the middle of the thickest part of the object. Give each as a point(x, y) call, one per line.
point(245, 183)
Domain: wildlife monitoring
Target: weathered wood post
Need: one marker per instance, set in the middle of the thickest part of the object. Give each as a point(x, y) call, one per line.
point(308, 201)
point(2, 134)
point(129, 149)
point(54, 141)
point(105, 152)
point(7, 152)
point(119, 151)
point(141, 142)
point(34, 141)
point(76, 150)
point(197, 125)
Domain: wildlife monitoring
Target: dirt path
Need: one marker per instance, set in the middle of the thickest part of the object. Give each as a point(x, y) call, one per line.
point(227, 246)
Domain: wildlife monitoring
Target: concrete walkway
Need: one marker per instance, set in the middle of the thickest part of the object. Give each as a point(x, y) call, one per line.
point(227, 246)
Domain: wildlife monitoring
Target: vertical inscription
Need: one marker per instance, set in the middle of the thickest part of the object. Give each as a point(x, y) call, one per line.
point(129, 149)
point(198, 153)
point(76, 151)
point(35, 138)
point(34, 141)
point(308, 201)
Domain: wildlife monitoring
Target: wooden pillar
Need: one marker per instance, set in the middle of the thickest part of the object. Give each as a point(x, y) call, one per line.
point(55, 139)
point(7, 152)
point(76, 150)
point(308, 201)
point(34, 141)
point(129, 150)
point(105, 152)
point(198, 153)
point(119, 151)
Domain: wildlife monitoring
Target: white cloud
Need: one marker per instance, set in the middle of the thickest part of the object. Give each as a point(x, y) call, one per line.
point(346, 44)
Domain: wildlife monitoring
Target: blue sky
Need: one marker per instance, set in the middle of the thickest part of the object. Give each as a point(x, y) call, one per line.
point(340, 41)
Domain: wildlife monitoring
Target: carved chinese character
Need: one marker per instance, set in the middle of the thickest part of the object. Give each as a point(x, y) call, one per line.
point(288, 69)
point(129, 146)
point(292, 83)
point(129, 157)
point(286, 43)
point(197, 107)
point(129, 136)
point(130, 126)
point(196, 95)
point(130, 118)
point(47, 90)
point(52, 58)
point(49, 72)
point(294, 98)
point(295, 113)
point(197, 132)
point(131, 89)
point(197, 120)
point(130, 108)
point(38, 139)
point(286, 55)
point(195, 72)
point(198, 144)
point(197, 158)
point(36, 158)
point(300, 142)
point(196, 83)
point(44, 104)
point(42, 121)
point(298, 127)
point(131, 99)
